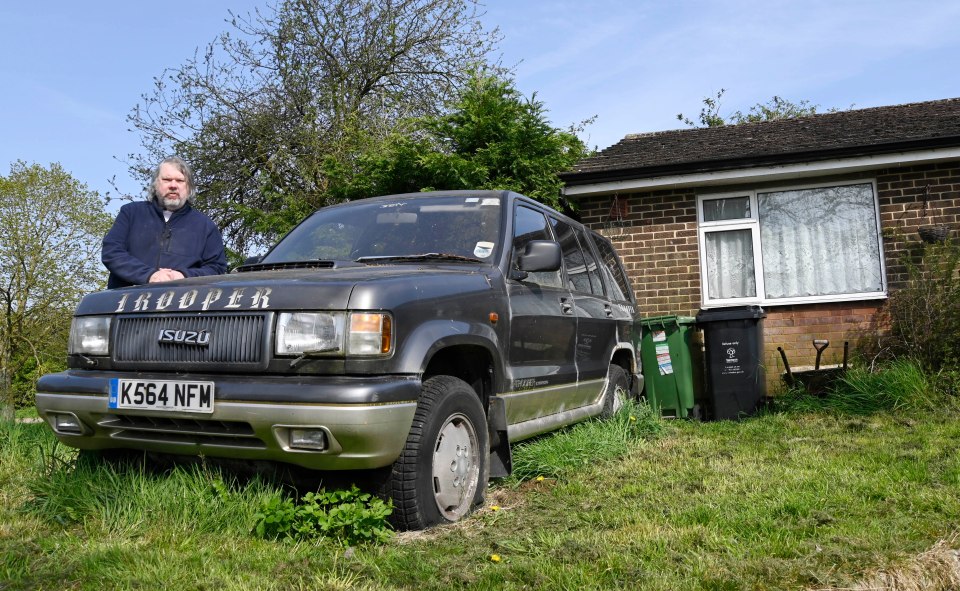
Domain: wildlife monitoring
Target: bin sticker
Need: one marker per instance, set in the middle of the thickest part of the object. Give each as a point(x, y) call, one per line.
point(731, 362)
point(659, 336)
point(663, 360)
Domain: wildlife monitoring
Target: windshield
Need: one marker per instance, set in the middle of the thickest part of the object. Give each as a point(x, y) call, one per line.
point(451, 226)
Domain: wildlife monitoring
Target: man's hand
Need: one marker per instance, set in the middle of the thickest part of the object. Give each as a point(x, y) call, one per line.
point(165, 275)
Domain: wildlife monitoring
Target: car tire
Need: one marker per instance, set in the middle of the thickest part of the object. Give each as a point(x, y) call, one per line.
point(442, 472)
point(617, 391)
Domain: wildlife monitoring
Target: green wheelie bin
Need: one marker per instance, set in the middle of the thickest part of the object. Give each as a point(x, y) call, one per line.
point(666, 356)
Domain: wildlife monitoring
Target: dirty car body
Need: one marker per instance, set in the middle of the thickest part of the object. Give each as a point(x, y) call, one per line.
point(417, 334)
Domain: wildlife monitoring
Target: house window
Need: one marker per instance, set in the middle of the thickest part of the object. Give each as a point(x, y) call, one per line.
point(791, 245)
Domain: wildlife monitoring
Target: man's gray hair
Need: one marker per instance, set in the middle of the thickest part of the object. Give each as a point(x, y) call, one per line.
point(184, 169)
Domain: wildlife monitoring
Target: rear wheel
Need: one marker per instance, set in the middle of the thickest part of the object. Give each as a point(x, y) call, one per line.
point(617, 391)
point(442, 473)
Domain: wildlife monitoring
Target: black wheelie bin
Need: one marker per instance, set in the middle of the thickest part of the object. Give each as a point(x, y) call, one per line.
point(733, 350)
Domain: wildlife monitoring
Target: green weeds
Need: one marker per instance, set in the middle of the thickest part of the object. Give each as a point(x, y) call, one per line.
point(349, 517)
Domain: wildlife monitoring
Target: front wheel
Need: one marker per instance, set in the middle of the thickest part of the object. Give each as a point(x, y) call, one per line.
point(442, 472)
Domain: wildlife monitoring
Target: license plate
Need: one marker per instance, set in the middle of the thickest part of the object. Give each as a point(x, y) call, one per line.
point(161, 395)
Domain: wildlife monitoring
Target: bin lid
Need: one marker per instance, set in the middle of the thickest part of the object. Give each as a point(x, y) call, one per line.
point(664, 320)
point(731, 313)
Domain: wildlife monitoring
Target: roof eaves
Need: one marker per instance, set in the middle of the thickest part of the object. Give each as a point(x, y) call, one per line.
point(617, 174)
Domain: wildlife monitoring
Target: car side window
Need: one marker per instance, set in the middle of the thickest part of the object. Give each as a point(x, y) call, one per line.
point(612, 269)
point(528, 225)
point(579, 263)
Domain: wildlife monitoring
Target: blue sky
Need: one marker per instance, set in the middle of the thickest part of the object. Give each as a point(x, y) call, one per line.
point(73, 71)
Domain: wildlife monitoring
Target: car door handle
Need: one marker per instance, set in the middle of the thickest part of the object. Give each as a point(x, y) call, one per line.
point(566, 306)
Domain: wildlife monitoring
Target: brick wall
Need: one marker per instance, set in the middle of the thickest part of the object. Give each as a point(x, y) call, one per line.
point(656, 235)
point(794, 328)
point(910, 197)
point(657, 240)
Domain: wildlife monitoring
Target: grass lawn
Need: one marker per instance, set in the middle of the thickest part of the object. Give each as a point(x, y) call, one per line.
point(812, 500)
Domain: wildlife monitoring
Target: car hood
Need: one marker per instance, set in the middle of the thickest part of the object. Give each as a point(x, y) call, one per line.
point(329, 289)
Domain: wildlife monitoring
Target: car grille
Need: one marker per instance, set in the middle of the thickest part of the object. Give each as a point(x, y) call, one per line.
point(237, 341)
point(182, 431)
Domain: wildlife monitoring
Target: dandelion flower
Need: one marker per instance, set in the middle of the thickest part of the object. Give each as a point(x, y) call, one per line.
point(494, 507)
point(539, 478)
point(494, 558)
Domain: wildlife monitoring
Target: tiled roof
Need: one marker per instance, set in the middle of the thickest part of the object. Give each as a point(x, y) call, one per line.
point(817, 137)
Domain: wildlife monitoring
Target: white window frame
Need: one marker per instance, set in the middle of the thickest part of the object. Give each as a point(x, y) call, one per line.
point(753, 224)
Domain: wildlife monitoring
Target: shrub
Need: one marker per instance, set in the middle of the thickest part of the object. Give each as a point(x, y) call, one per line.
point(946, 383)
point(924, 314)
point(349, 517)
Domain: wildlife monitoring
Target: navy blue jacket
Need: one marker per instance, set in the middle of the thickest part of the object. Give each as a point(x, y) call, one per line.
point(141, 242)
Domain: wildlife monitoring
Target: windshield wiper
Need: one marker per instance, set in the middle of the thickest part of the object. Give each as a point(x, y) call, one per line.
point(429, 256)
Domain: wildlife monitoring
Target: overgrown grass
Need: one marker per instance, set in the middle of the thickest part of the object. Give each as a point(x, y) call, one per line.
point(29, 412)
point(898, 386)
point(123, 499)
point(787, 500)
point(584, 444)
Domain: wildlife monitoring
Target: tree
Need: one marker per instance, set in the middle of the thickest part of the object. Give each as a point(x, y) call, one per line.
point(263, 112)
point(492, 138)
point(775, 108)
point(51, 227)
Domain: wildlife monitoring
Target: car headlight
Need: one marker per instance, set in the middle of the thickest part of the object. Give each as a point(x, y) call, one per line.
point(334, 333)
point(310, 332)
point(90, 335)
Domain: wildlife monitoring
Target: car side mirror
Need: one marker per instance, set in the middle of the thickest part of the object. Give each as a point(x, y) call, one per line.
point(539, 255)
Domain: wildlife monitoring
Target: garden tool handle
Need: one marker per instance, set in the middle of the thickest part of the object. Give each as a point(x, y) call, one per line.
point(819, 345)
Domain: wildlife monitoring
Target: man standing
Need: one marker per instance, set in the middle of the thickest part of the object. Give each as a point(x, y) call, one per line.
point(163, 238)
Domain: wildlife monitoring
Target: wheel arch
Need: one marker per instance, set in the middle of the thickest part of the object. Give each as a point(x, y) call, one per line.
point(470, 352)
point(471, 362)
point(625, 356)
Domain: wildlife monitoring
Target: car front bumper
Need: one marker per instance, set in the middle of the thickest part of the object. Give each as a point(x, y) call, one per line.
point(364, 421)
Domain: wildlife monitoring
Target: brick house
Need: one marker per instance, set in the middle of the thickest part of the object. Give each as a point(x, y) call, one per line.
point(806, 217)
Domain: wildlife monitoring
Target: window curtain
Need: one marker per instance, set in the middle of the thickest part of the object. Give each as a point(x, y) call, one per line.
point(727, 208)
point(730, 268)
point(819, 241)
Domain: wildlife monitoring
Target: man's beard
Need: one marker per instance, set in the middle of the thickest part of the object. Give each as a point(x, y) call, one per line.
point(173, 203)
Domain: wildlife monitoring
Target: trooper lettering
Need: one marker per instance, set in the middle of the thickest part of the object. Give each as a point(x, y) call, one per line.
point(261, 299)
point(211, 298)
point(142, 302)
point(187, 299)
point(165, 300)
point(234, 299)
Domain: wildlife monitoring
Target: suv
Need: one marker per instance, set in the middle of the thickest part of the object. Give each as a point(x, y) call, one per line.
point(417, 334)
